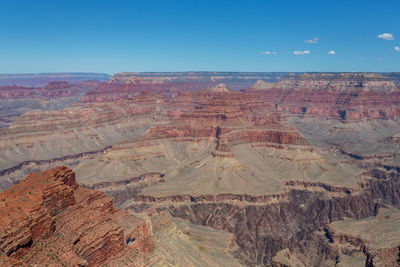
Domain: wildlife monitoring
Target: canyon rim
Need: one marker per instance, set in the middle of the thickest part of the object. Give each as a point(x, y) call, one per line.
point(213, 133)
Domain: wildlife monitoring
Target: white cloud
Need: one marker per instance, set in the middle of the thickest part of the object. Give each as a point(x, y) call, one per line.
point(332, 52)
point(305, 52)
point(386, 36)
point(397, 48)
point(312, 41)
point(268, 53)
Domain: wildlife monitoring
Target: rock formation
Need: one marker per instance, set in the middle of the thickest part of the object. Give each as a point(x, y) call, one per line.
point(16, 100)
point(333, 82)
point(377, 237)
point(47, 219)
point(261, 85)
point(194, 81)
point(345, 96)
point(219, 88)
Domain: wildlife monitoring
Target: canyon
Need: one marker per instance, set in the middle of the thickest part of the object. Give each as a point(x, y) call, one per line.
point(41, 79)
point(204, 169)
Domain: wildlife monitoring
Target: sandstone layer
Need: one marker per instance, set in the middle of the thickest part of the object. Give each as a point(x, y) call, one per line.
point(48, 220)
point(346, 96)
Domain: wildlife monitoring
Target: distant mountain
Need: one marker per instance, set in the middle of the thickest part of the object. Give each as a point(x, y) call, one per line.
point(41, 79)
point(199, 80)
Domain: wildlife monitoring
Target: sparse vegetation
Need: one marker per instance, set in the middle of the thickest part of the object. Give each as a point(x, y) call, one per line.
point(398, 254)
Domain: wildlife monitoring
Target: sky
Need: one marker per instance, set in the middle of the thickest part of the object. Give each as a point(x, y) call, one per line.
point(199, 35)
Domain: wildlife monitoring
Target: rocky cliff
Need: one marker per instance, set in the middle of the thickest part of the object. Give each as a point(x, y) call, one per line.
point(345, 96)
point(296, 223)
point(47, 219)
point(374, 82)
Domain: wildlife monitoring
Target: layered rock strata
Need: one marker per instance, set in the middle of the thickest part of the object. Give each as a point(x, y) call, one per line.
point(48, 219)
point(376, 237)
point(345, 96)
point(16, 100)
point(295, 223)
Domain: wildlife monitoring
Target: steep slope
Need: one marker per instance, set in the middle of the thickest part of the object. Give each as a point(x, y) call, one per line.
point(180, 243)
point(378, 237)
point(345, 96)
point(48, 219)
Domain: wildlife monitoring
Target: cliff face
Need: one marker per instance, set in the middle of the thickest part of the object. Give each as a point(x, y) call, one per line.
point(16, 100)
point(295, 222)
point(377, 237)
point(346, 96)
point(262, 230)
point(333, 82)
point(48, 219)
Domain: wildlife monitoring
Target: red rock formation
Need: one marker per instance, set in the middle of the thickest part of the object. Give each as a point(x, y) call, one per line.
point(341, 82)
point(345, 96)
point(283, 137)
point(128, 85)
point(16, 100)
point(48, 219)
point(230, 117)
point(116, 90)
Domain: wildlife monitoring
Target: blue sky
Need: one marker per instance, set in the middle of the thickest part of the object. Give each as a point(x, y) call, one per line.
point(203, 35)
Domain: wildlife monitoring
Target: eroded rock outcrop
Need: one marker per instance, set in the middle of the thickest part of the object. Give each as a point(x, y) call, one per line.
point(288, 230)
point(378, 238)
point(345, 96)
point(48, 219)
point(219, 88)
point(333, 82)
point(16, 100)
